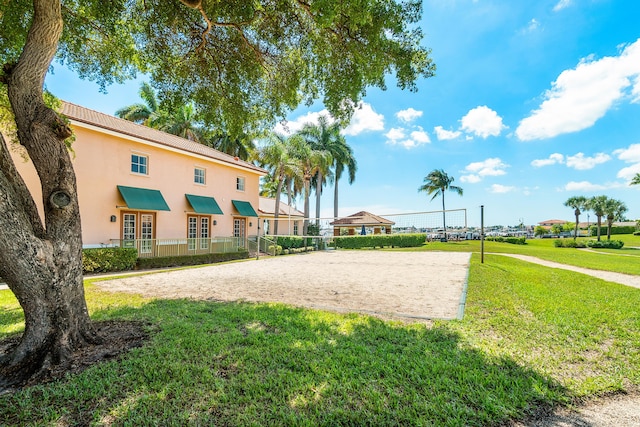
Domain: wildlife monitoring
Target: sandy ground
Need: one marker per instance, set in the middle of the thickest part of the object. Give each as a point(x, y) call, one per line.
point(421, 285)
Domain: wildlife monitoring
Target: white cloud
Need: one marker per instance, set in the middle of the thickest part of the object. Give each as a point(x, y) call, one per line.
point(444, 135)
point(584, 186)
point(629, 172)
point(630, 154)
point(561, 5)
point(420, 136)
point(580, 162)
point(395, 134)
point(408, 115)
point(501, 189)
point(581, 96)
point(551, 160)
point(533, 25)
point(483, 122)
point(364, 119)
point(398, 136)
point(489, 167)
point(471, 178)
point(290, 127)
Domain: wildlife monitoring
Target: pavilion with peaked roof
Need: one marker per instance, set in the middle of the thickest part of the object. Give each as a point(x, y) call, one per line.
point(352, 224)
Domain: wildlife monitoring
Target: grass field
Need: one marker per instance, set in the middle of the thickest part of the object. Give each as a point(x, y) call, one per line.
point(531, 337)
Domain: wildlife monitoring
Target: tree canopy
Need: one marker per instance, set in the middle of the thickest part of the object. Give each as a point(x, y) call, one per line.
point(243, 64)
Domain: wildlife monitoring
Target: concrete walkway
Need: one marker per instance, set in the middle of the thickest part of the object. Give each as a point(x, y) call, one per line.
point(609, 276)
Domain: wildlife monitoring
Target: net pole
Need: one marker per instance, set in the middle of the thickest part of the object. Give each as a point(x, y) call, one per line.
point(482, 234)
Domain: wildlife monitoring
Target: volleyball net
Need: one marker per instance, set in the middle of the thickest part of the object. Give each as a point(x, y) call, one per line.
point(431, 223)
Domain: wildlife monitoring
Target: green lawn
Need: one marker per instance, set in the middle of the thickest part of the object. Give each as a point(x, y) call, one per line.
point(618, 260)
point(531, 336)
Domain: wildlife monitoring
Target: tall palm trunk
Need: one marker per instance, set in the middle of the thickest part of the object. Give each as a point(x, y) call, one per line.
point(276, 214)
point(307, 190)
point(318, 196)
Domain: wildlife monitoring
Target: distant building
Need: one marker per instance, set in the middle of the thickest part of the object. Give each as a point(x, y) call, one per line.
point(551, 222)
point(353, 224)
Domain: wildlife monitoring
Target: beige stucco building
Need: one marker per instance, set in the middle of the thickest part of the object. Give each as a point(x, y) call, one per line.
point(137, 183)
point(290, 220)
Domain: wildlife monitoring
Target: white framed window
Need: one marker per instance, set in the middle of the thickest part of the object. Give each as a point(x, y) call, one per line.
point(140, 164)
point(240, 183)
point(295, 228)
point(200, 175)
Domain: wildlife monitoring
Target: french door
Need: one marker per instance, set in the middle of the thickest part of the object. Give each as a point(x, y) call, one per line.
point(138, 226)
point(240, 230)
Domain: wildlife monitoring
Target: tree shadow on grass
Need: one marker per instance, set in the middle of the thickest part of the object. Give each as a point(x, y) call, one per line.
point(212, 363)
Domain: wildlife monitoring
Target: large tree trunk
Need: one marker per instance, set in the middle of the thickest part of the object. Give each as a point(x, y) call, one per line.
point(41, 263)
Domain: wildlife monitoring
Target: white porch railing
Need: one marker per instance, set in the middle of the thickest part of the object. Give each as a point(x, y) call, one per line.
point(150, 248)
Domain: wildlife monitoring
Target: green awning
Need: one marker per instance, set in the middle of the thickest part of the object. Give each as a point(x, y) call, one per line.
point(204, 205)
point(244, 208)
point(142, 198)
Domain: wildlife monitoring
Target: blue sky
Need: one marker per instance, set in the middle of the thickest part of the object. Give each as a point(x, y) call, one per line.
point(533, 102)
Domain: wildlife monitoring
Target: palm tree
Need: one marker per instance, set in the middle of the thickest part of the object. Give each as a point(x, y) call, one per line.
point(615, 210)
point(278, 154)
point(597, 204)
point(341, 160)
point(577, 203)
point(268, 187)
point(325, 136)
point(183, 122)
point(309, 163)
point(142, 113)
point(241, 146)
point(436, 183)
point(635, 180)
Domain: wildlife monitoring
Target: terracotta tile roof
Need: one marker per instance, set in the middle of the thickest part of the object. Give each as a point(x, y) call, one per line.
point(362, 218)
point(268, 207)
point(95, 118)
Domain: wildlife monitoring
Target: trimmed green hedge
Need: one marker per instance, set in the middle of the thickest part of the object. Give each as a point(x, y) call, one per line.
point(569, 243)
point(180, 260)
point(626, 229)
point(607, 244)
point(288, 242)
point(101, 260)
point(512, 240)
point(379, 241)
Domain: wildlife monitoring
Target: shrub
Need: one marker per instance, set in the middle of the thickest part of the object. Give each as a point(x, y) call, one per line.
point(288, 242)
point(636, 233)
point(512, 240)
point(616, 229)
point(102, 260)
point(606, 244)
point(274, 250)
point(569, 243)
point(379, 240)
point(180, 260)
